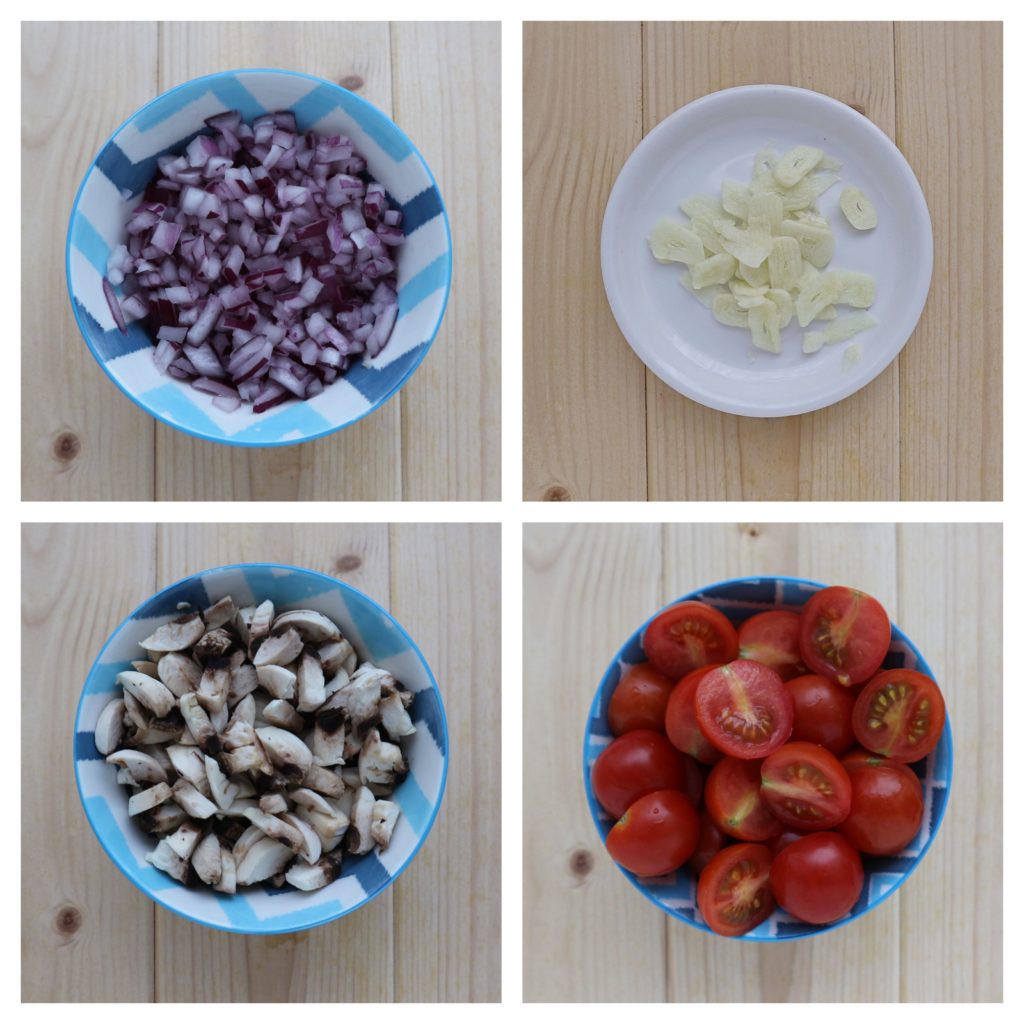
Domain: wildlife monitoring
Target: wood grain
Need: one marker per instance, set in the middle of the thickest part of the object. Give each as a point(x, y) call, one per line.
point(588, 936)
point(928, 428)
point(424, 939)
point(438, 438)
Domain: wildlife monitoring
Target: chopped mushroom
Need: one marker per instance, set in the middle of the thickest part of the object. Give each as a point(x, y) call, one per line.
point(176, 635)
point(110, 727)
point(147, 799)
point(382, 824)
point(148, 691)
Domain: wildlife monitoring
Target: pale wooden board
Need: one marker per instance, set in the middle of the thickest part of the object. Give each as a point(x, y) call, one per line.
point(445, 445)
point(929, 427)
point(426, 938)
point(589, 936)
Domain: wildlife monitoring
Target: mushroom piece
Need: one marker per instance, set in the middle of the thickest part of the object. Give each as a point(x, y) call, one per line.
point(164, 858)
point(251, 758)
point(246, 841)
point(223, 792)
point(213, 645)
point(379, 761)
point(185, 840)
point(273, 803)
point(328, 746)
point(109, 727)
point(220, 613)
point(162, 819)
point(147, 691)
point(207, 860)
point(244, 681)
point(189, 763)
point(308, 877)
point(323, 781)
point(382, 822)
point(177, 634)
point(227, 881)
point(147, 668)
point(286, 751)
point(310, 682)
point(360, 839)
point(277, 680)
point(276, 828)
point(360, 700)
point(192, 800)
point(243, 619)
point(395, 718)
point(279, 649)
point(313, 627)
point(333, 655)
point(213, 687)
point(159, 754)
point(147, 799)
point(283, 715)
point(311, 845)
point(180, 674)
point(142, 769)
point(259, 624)
point(265, 858)
point(198, 723)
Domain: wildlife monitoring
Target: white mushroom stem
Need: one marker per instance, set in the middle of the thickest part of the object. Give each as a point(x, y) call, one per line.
point(192, 800)
point(223, 792)
point(148, 799)
point(227, 882)
point(385, 814)
point(213, 688)
point(379, 761)
point(207, 860)
point(395, 718)
point(328, 747)
point(360, 838)
point(198, 723)
point(310, 681)
point(259, 624)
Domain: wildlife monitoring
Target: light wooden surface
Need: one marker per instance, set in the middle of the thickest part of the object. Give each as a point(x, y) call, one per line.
point(599, 426)
point(89, 936)
point(438, 439)
point(589, 936)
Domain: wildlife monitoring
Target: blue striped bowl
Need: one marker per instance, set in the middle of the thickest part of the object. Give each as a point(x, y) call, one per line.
point(261, 909)
point(126, 164)
point(676, 893)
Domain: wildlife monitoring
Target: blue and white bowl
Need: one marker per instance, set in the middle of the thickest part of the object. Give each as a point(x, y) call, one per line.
point(676, 893)
point(126, 164)
point(377, 637)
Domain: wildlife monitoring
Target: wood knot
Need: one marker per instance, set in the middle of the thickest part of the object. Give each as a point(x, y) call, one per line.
point(556, 492)
point(581, 863)
point(858, 108)
point(352, 83)
point(752, 531)
point(348, 563)
point(66, 447)
point(68, 920)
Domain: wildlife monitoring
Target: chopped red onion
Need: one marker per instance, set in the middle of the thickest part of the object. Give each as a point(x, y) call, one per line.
point(261, 260)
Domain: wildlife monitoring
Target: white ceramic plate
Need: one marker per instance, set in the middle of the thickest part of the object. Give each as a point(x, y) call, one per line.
point(694, 150)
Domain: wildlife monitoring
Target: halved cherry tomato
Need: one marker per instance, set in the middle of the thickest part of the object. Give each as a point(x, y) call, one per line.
point(638, 763)
point(734, 892)
point(773, 639)
point(733, 798)
point(822, 712)
point(818, 878)
point(744, 709)
point(656, 835)
point(681, 720)
point(900, 714)
point(844, 635)
point(639, 700)
point(709, 842)
point(886, 810)
point(689, 635)
point(806, 787)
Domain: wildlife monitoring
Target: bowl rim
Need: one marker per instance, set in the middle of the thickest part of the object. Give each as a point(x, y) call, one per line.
point(233, 442)
point(696, 595)
point(155, 897)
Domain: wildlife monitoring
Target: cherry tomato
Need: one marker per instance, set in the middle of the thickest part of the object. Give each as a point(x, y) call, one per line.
point(656, 835)
point(744, 709)
point(818, 878)
point(773, 639)
point(806, 787)
point(693, 785)
point(709, 842)
point(844, 635)
point(639, 700)
point(681, 720)
point(734, 800)
point(781, 841)
point(734, 892)
point(689, 635)
point(858, 757)
point(638, 763)
point(900, 714)
point(822, 712)
point(886, 810)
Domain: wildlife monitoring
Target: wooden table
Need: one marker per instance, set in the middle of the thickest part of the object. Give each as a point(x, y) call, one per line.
point(438, 439)
point(588, 935)
point(89, 936)
point(599, 426)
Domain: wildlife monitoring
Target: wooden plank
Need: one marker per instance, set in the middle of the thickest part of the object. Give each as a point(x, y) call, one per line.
point(362, 462)
point(587, 934)
point(447, 97)
point(949, 121)
point(196, 964)
point(850, 450)
point(453, 888)
point(87, 933)
point(583, 403)
point(81, 438)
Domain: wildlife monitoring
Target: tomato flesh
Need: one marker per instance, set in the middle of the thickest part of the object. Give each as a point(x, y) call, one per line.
point(822, 712)
point(900, 714)
point(689, 635)
point(639, 700)
point(844, 635)
point(638, 763)
point(658, 834)
point(818, 878)
point(734, 892)
point(735, 802)
point(681, 724)
point(773, 639)
point(886, 810)
point(806, 787)
point(744, 709)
